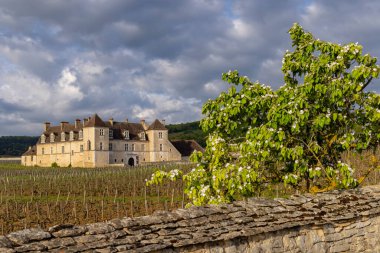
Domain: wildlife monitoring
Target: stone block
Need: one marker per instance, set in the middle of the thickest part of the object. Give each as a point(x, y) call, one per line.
point(36, 246)
point(58, 242)
point(99, 228)
point(28, 235)
point(70, 232)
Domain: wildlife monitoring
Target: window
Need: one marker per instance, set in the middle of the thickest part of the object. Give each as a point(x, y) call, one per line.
point(137, 160)
point(43, 138)
point(126, 147)
point(142, 147)
point(160, 147)
point(101, 146)
point(110, 146)
point(81, 148)
point(52, 137)
point(110, 134)
point(133, 147)
point(72, 152)
point(122, 160)
point(115, 160)
point(101, 132)
point(43, 151)
point(31, 158)
point(142, 136)
point(51, 150)
point(63, 149)
point(89, 145)
point(63, 136)
point(126, 134)
point(71, 135)
point(160, 135)
point(80, 135)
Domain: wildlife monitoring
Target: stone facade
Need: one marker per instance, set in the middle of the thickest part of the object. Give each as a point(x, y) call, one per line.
point(337, 221)
point(95, 143)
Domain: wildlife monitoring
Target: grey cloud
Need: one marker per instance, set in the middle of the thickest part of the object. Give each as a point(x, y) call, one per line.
point(344, 22)
point(156, 59)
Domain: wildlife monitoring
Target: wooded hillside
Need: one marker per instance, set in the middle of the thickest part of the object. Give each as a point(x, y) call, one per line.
point(187, 131)
point(15, 145)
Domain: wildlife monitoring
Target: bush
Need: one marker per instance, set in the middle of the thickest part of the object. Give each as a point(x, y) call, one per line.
point(54, 165)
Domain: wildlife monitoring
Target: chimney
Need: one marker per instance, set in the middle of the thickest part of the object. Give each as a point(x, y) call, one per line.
point(163, 122)
point(85, 121)
point(142, 122)
point(111, 121)
point(46, 126)
point(63, 124)
point(77, 122)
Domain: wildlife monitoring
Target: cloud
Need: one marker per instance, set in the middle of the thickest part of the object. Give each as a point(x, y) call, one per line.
point(70, 59)
point(174, 110)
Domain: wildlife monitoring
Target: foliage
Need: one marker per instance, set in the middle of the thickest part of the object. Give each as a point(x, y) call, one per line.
point(187, 131)
point(55, 165)
point(296, 134)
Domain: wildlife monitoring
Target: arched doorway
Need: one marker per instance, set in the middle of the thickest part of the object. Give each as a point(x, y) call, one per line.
point(131, 162)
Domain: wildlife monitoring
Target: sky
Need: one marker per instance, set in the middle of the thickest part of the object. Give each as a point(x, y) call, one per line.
point(138, 59)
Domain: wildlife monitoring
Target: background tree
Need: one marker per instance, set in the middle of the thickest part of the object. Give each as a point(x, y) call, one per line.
point(296, 134)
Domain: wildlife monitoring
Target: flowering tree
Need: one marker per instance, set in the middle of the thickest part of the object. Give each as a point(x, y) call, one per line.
point(296, 134)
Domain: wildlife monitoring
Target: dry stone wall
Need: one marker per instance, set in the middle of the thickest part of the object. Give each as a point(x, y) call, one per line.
point(337, 221)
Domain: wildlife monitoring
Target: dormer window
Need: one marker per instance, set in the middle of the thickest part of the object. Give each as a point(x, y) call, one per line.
point(126, 134)
point(71, 135)
point(142, 136)
point(43, 138)
point(111, 134)
point(80, 135)
point(52, 137)
point(63, 136)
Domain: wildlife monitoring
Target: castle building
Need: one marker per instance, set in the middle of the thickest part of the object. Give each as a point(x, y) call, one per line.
point(96, 143)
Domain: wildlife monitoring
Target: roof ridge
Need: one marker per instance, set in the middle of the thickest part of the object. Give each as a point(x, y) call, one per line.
point(157, 125)
point(95, 121)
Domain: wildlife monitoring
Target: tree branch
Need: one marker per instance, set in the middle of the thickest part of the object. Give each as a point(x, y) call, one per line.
point(366, 84)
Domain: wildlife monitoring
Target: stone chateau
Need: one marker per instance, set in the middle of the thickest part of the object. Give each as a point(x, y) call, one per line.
point(96, 143)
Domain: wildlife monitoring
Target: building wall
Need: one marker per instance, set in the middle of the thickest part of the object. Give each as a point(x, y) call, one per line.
point(29, 160)
point(63, 153)
point(120, 155)
point(96, 151)
point(161, 149)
